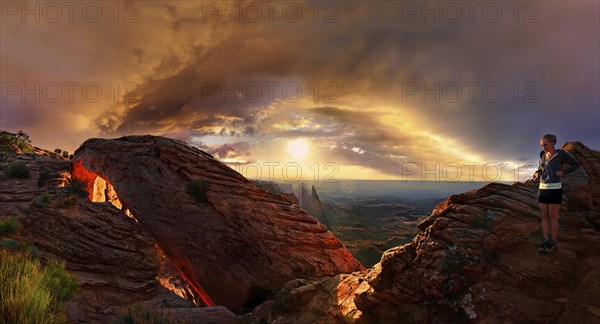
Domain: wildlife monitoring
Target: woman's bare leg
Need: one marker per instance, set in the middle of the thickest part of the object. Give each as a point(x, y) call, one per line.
point(554, 208)
point(545, 220)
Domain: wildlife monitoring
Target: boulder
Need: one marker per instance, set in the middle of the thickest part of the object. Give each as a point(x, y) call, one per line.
point(237, 245)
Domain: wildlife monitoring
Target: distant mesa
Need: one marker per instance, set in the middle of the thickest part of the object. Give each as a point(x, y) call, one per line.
point(309, 201)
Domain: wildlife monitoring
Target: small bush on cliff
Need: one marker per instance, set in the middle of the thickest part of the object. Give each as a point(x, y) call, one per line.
point(27, 248)
point(76, 187)
point(9, 226)
point(197, 189)
point(20, 140)
point(17, 170)
point(61, 284)
point(42, 201)
point(142, 314)
point(70, 200)
point(9, 244)
point(29, 292)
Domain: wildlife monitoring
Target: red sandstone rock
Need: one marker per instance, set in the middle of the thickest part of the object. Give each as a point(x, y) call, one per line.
point(113, 258)
point(476, 260)
point(246, 241)
point(240, 246)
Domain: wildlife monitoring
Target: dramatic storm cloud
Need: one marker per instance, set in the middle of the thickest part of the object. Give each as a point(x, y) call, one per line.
point(369, 86)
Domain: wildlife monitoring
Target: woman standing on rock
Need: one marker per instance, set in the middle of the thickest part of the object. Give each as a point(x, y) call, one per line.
point(550, 191)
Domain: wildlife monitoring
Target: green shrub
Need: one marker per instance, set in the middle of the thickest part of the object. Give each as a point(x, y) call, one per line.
point(20, 140)
point(42, 201)
point(27, 248)
point(65, 154)
point(9, 226)
point(76, 187)
point(142, 314)
point(10, 244)
point(23, 141)
point(70, 200)
point(28, 292)
point(44, 177)
point(25, 147)
point(197, 189)
point(24, 299)
point(17, 170)
point(61, 284)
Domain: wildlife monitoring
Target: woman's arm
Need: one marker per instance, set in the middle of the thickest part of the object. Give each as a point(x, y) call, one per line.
point(566, 157)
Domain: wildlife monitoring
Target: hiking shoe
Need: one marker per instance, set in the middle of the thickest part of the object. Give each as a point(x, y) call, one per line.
point(551, 246)
point(544, 246)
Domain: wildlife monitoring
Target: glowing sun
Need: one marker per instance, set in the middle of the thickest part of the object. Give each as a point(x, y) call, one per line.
point(297, 148)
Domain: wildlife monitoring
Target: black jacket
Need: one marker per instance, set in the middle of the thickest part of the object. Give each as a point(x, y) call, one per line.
point(547, 169)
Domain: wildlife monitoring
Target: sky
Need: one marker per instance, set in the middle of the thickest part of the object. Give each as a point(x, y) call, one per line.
point(320, 90)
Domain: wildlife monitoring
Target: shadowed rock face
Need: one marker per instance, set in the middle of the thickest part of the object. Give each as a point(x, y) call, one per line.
point(582, 187)
point(237, 248)
point(113, 258)
point(475, 259)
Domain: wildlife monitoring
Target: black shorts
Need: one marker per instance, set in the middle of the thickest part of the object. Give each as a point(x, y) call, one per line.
point(550, 196)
